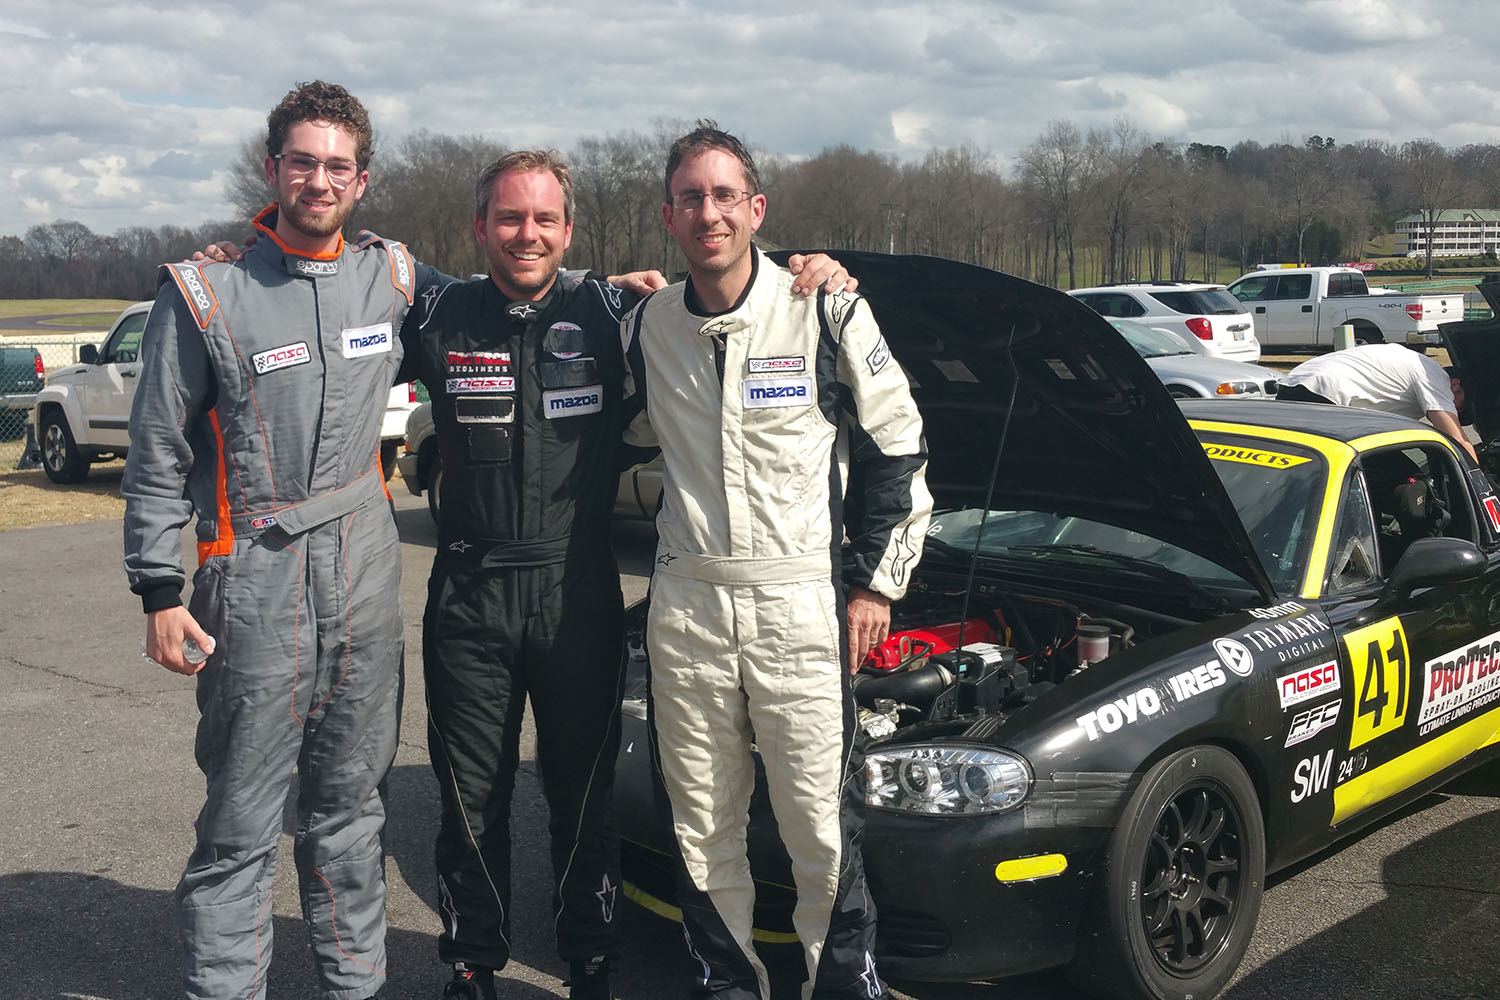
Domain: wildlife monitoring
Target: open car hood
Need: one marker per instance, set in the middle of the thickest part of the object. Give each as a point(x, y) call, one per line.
point(1092, 431)
point(1474, 346)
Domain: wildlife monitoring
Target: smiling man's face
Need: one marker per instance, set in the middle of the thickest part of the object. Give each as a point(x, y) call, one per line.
point(524, 232)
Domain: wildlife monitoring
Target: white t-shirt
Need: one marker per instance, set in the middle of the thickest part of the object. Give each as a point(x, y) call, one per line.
point(1386, 377)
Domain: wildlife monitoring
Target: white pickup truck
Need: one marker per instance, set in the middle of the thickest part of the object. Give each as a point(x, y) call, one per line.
point(1304, 306)
point(82, 414)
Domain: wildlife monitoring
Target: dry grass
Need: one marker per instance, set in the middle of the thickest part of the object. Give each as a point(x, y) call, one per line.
point(58, 307)
point(30, 500)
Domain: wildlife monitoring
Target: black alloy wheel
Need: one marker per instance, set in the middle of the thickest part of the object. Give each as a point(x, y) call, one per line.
point(1186, 872)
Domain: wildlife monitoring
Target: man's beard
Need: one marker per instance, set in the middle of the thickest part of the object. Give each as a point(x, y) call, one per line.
point(316, 224)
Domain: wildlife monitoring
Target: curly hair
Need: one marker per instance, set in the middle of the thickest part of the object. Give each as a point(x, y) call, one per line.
point(524, 159)
point(321, 102)
point(706, 136)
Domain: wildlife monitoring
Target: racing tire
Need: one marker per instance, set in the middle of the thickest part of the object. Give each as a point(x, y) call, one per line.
point(1181, 886)
point(388, 450)
point(61, 459)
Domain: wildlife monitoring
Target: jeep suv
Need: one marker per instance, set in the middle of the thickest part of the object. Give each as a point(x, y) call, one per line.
point(21, 376)
point(1204, 317)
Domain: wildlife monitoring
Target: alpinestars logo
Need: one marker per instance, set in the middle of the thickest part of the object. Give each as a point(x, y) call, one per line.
point(606, 896)
point(522, 310)
point(840, 304)
point(281, 357)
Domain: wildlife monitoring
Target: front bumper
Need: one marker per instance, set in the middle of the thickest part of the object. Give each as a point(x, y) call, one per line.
point(407, 463)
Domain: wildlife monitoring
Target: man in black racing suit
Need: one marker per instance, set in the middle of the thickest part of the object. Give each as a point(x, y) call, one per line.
point(526, 372)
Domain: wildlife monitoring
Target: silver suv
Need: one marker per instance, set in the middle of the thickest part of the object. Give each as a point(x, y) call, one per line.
point(1204, 317)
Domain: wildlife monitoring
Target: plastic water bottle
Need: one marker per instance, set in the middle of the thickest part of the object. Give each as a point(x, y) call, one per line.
point(194, 653)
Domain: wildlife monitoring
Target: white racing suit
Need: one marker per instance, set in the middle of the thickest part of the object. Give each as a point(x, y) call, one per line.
point(258, 411)
point(766, 415)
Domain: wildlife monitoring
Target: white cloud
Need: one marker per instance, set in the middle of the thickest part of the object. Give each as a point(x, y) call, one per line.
point(129, 114)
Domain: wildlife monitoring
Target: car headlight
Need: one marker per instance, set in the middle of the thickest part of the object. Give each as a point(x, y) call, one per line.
point(1236, 388)
point(945, 780)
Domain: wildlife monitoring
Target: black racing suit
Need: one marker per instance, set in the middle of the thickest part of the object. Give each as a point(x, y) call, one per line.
point(524, 597)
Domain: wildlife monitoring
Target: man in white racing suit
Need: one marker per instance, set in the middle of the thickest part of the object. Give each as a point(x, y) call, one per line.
point(769, 409)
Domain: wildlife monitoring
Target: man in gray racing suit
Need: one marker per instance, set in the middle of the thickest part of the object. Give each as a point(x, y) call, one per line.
point(767, 408)
point(259, 412)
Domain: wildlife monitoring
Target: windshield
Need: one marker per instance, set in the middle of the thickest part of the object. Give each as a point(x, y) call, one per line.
point(1207, 302)
point(1148, 343)
point(1275, 491)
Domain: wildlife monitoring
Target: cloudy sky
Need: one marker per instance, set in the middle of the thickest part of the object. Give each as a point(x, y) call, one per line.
point(128, 113)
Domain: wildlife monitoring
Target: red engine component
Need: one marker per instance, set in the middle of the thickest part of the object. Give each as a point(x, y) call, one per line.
point(918, 642)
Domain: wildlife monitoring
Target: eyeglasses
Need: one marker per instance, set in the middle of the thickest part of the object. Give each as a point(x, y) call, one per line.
point(724, 199)
point(300, 166)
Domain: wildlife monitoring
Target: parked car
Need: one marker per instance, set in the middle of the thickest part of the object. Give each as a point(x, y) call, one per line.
point(1152, 653)
point(1205, 316)
point(21, 378)
point(82, 415)
point(422, 471)
point(1188, 375)
point(1305, 306)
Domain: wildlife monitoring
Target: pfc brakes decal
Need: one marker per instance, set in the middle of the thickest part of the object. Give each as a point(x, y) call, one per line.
point(1306, 725)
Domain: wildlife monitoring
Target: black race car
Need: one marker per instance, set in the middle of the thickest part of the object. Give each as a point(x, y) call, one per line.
point(1150, 654)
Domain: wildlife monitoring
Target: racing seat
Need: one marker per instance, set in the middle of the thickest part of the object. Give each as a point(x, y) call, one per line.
point(1407, 505)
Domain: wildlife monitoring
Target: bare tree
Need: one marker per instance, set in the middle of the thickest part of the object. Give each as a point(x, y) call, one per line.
point(1057, 170)
point(1429, 180)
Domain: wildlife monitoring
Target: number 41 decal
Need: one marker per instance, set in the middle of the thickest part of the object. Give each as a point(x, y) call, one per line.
point(1381, 674)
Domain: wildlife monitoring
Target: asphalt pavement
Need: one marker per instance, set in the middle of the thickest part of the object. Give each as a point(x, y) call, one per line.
point(99, 792)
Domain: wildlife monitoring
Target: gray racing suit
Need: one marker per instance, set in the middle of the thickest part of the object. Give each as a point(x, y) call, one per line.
point(766, 416)
point(258, 412)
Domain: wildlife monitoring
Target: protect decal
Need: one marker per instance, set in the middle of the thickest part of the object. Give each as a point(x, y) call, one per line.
point(478, 362)
point(1379, 662)
point(1459, 683)
point(1253, 456)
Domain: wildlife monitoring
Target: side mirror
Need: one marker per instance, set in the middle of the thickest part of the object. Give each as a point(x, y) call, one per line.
point(88, 354)
point(1430, 562)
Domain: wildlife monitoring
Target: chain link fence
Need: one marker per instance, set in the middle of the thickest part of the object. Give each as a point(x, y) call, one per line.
point(57, 351)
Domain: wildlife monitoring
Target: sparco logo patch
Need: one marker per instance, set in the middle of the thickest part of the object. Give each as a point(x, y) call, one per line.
point(281, 357)
point(572, 402)
point(315, 268)
point(194, 284)
point(403, 269)
point(492, 383)
point(761, 393)
point(877, 358)
point(777, 366)
point(1308, 683)
point(366, 340)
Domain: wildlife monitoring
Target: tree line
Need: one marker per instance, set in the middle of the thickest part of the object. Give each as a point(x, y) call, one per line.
point(1074, 207)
